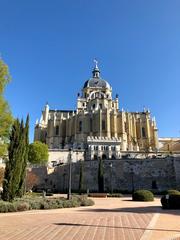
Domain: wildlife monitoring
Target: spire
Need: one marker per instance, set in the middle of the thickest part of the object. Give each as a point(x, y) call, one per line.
point(96, 71)
point(96, 62)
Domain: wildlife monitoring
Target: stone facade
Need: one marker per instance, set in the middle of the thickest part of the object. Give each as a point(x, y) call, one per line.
point(119, 175)
point(97, 126)
point(171, 145)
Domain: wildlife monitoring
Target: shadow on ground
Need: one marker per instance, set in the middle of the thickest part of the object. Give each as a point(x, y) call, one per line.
point(140, 210)
point(119, 227)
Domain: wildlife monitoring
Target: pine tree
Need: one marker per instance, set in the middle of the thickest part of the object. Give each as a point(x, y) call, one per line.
point(101, 176)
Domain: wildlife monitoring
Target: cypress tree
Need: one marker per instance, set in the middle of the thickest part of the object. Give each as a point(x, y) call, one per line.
point(25, 150)
point(16, 165)
point(11, 176)
point(101, 176)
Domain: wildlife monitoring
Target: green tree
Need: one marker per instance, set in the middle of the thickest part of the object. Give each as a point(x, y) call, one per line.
point(1, 175)
point(13, 166)
point(38, 153)
point(5, 114)
point(24, 151)
point(101, 176)
point(15, 170)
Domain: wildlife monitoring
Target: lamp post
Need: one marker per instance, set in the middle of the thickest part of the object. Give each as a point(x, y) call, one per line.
point(110, 165)
point(76, 155)
point(132, 179)
point(69, 187)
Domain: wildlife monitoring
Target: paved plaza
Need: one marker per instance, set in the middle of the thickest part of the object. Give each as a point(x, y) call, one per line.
point(108, 219)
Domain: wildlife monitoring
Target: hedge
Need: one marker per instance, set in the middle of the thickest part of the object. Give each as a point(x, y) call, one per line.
point(171, 201)
point(44, 203)
point(172, 191)
point(143, 195)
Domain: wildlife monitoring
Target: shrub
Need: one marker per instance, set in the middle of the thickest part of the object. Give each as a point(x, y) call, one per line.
point(7, 207)
point(34, 205)
point(22, 206)
point(87, 202)
point(172, 191)
point(172, 203)
point(142, 195)
point(49, 204)
point(71, 203)
point(28, 203)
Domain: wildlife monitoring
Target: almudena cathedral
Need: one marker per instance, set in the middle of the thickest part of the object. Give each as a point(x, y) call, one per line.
point(97, 128)
point(133, 155)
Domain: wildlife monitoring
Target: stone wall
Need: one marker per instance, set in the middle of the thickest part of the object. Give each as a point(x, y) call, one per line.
point(126, 174)
point(62, 156)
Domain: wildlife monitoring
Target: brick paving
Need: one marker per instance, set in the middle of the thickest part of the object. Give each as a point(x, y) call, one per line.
point(109, 219)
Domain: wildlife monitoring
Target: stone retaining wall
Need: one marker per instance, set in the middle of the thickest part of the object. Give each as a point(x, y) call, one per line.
point(126, 174)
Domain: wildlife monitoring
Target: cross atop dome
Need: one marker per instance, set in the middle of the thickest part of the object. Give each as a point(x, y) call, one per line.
point(96, 62)
point(96, 71)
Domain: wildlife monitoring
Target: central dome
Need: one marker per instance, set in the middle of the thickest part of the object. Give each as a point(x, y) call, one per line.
point(96, 83)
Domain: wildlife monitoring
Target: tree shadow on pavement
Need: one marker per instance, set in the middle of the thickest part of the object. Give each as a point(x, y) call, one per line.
point(140, 210)
point(120, 227)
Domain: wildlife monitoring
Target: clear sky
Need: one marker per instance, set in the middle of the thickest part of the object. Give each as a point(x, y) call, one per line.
point(50, 46)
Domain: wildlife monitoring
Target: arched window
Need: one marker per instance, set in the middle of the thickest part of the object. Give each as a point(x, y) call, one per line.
point(100, 105)
point(94, 105)
point(57, 130)
point(95, 157)
point(104, 156)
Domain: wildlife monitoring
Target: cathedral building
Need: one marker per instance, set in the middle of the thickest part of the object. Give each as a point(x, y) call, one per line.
point(97, 127)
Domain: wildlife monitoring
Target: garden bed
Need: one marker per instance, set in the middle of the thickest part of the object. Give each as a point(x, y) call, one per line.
point(35, 202)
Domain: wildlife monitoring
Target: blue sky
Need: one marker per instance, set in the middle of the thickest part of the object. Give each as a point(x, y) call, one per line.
point(50, 46)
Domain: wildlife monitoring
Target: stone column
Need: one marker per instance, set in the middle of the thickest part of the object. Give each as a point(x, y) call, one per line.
point(108, 121)
point(75, 127)
point(100, 122)
point(148, 129)
point(115, 124)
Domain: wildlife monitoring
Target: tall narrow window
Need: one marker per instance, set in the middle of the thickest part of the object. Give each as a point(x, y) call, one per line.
point(143, 132)
point(57, 130)
point(100, 105)
point(154, 184)
point(103, 125)
point(80, 126)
